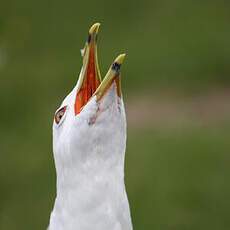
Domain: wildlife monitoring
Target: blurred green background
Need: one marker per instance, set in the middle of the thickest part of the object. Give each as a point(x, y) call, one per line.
point(177, 92)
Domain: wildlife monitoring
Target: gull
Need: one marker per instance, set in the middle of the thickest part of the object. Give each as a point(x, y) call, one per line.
point(89, 142)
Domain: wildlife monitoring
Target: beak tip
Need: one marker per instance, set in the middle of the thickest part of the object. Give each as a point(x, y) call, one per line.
point(94, 28)
point(120, 59)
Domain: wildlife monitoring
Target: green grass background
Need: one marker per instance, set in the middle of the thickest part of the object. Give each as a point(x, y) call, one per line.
point(176, 178)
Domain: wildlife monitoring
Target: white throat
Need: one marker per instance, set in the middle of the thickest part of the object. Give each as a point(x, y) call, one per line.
point(89, 160)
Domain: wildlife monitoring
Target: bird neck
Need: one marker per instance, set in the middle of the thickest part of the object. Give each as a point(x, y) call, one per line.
point(87, 196)
point(94, 174)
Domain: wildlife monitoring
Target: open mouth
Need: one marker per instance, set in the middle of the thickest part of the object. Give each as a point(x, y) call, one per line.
point(90, 83)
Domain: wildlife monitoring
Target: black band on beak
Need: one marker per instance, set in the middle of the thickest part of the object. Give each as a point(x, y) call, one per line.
point(89, 38)
point(116, 67)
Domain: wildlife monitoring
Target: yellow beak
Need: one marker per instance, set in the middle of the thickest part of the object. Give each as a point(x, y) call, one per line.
point(112, 75)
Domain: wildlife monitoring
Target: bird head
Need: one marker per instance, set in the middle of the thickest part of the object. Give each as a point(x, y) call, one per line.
point(90, 126)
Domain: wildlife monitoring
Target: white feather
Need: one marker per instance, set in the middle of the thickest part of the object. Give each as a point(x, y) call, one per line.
point(89, 152)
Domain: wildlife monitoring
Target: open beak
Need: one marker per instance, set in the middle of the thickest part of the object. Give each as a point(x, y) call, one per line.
point(113, 75)
point(90, 77)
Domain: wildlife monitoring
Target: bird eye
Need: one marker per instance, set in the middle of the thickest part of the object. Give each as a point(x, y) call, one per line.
point(59, 114)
